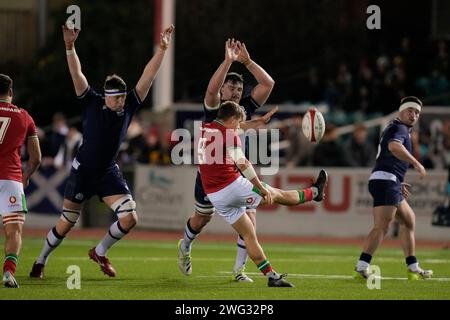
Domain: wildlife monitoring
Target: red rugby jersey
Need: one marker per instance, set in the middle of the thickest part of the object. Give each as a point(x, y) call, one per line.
point(217, 169)
point(16, 125)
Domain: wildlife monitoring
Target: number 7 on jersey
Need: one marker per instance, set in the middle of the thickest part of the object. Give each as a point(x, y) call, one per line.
point(4, 124)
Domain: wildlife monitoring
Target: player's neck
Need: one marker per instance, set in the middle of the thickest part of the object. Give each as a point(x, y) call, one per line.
point(6, 100)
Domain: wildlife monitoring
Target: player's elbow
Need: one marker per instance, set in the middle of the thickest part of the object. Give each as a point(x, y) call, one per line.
point(394, 146)
point(36, 161)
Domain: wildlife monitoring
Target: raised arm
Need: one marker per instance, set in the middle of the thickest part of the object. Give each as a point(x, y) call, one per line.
point(151, 69)
point(262, 90)
point(259, 122)
point(212, 95)
point(401, 153)
point(35, 157)
point(79, 80)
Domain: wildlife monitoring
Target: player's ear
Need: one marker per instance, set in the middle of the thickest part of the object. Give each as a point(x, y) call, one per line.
point(11, 92)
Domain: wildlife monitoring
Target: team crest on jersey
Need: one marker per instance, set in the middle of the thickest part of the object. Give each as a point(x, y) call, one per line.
point(79, 196)
point(12, 199)
point(250, 200)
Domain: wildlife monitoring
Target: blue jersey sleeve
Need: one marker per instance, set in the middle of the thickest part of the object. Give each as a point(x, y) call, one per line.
point(249, 104)
point(397, 133)
point(88, 96)
point(133, 101)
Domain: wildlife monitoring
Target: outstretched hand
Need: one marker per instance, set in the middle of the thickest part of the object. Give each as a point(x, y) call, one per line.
point(244, 56)
point(421, 170)
point(232, 51)
point(405, 190)
point(70, 34)
point(266, 118)
point(166, 36)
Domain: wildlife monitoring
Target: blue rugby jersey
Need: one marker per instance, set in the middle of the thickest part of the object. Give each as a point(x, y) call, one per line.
point(386, 161)
point(103, 129)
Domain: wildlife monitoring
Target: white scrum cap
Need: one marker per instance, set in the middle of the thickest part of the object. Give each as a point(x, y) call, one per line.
point(410, 102)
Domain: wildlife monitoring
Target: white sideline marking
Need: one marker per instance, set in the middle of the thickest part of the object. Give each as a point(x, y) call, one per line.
point(334, 277)
point(305, 259)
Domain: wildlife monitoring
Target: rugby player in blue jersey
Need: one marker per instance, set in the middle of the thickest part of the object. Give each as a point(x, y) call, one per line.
point(226, 86)
point(390, 192)
point(106, 117)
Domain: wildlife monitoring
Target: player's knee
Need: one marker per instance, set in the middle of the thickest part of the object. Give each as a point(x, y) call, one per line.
point(70, 216)
point(125, 209)
point(382, 228)
point(201, 218)
point(204, 210)
point(128, 222)
point(13, 231)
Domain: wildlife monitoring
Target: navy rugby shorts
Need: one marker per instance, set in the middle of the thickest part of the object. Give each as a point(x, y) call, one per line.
point(82, 184)
point(385, 192)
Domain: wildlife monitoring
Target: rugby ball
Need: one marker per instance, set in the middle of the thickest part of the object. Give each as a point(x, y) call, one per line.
point(313, 125)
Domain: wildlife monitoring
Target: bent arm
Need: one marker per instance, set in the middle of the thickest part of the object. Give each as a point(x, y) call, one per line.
point(262, 91)
point(401, 153)
point(35, 158)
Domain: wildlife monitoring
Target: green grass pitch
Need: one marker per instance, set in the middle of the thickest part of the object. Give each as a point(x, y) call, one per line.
point(148, 270)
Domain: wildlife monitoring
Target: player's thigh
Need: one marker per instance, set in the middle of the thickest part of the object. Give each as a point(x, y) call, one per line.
point(79, 188)
point(244, 226)
point(112, 185)
point(12, 197)
point(405, 215)
point(383, 216)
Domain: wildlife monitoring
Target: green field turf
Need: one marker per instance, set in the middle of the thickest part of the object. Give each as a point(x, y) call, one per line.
point(148, 270)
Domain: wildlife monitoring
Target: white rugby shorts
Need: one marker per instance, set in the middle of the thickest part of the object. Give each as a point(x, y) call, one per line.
point(232, 201)
point(12, 202)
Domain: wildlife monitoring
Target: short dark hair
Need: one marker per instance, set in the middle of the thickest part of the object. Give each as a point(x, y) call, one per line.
point(6, 84)
point(115, 82)
point(234, 77)
point(228, 110)
point(411, 99)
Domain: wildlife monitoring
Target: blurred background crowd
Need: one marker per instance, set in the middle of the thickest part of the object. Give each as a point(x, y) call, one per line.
point(322, 55)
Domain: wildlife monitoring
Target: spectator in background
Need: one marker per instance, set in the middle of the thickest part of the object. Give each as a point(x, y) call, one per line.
point(359, 152)
point(73, 141)
point(153, 152)
point(329, 153)
point(300, 149)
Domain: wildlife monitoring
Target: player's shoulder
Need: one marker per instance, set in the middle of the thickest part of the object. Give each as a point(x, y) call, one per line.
point(18, 110)
point(248, 102)
point(90, 92)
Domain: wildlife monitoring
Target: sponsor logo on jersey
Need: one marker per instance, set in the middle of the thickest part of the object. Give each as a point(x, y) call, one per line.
point(250, 200)
point(12, 199)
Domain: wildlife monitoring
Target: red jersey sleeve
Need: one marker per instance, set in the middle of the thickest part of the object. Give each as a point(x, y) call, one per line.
point(31, 127)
